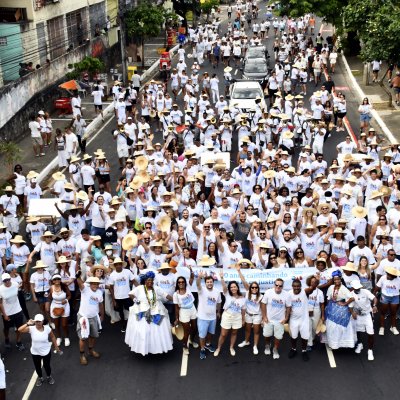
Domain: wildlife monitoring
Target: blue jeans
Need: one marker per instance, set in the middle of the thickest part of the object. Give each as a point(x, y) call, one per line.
point(97, 231)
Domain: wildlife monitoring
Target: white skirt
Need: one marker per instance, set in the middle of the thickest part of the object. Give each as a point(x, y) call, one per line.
point(338, 336)
point(144, 338)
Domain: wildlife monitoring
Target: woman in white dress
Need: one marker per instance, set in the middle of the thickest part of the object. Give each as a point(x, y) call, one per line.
point(340, 326)
point(148, 329)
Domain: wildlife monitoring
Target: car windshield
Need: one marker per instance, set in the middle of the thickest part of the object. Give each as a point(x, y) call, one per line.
point(256, 52)
point(255, 67)
point(245, 94)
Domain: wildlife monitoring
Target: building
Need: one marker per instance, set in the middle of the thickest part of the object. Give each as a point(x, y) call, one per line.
point(33, 31)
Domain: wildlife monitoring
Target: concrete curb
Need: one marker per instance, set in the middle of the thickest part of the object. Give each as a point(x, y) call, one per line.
point(361, 95)
point(97, 122)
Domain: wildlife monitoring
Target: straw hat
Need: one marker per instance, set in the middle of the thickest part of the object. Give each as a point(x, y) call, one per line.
point(156, 244)
point(62, 259)
point(245, 261)
point(74, 159)
point(178, 330)
point(28, 219)
point(58, 176)
point(385, 190)
point(348, 192)
point(95, 238)
point(310, 227)
point(164, 224)
point(352, 179)
point(206, 261)
point(269, 174)
point(349, 267)
point(227, 69)
point(136, 183)
point(129, 241)
point(290, 170)
point(144, 176)
point(40, 264)
point(64, 230)
point(164, 266)
point(359, 212)
point(271, 218)
point(32, 174)
point(323, 205)
point(17, 239)
point(86, 157)
point(82, 195)
point(96, 267)
point(98, 151)
point(93, 279)
point(119, 221)
point(313, 210)
point(392, 271)
point(375, 194)
point(119, 260)
point(321, 327)
point(289, 97)
point(47, 234)
point(235, 191)
point(68, 186)
point(141, 163)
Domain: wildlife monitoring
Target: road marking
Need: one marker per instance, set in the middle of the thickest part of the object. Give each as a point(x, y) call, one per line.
point(235, 72)
point(67, 119)
point(184, 365)
point(30, 387)
point(180, 91)
point(342, 88)
point(331, 358)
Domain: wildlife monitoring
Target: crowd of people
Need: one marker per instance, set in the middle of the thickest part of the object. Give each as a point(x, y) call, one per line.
point(178, 203)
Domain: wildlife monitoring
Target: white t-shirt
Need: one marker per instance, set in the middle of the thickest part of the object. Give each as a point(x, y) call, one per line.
point(276, 304)
point(121, 282)
point(34, 126)
point(389, 288)
point(166, 282)
point(9, 295)
point(40, 340)
point(185, 301)
point(208, 300)
point(299, 305)
point(41, 281)
point(315, 299)
point(234, 305)
point(90, 301)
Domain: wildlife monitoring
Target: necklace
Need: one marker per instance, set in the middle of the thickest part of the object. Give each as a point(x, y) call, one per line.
point(152, 301)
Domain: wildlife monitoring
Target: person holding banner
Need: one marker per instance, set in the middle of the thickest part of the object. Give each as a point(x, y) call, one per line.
point(233, 317)
point(275, 308)
point(340, 326)
point(253, 312)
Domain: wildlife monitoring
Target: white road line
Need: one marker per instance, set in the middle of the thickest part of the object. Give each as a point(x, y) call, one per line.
point(235, 72)
point(30, 387)
point(184, 365)
point(180, 91)
point(331, 357)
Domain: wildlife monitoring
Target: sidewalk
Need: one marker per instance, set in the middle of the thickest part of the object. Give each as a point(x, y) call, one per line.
point(377, 96)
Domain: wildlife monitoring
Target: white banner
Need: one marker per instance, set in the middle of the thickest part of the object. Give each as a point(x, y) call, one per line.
point(265, 278)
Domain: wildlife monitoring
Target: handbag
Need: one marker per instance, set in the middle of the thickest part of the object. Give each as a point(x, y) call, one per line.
point(58, 311)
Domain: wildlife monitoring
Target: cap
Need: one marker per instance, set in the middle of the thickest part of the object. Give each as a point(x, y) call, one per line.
point(38, 318)
point(5, 276)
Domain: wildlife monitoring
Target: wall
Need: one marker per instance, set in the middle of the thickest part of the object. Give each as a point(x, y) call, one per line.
point(16, 127)
point(11, 52)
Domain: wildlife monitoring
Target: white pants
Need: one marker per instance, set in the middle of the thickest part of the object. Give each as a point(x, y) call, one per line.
point(215, 95)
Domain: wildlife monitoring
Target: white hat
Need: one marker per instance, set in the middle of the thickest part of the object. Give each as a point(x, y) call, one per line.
point(5, 276)
point(38, 318)
point(356, 285)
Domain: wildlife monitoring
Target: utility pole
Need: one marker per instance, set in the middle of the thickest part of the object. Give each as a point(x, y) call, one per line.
point(122, 31)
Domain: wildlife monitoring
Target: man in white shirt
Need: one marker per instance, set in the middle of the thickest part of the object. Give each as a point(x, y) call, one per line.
point(91, 312)
point(76, 104)
point(9, 203)
point(275, 309)
point(36, 136)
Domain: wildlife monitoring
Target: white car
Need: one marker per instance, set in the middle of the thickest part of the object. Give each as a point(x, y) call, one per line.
point(244, 93)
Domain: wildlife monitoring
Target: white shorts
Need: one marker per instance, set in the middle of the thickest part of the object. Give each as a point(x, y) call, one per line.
point(364, 324)
point(231, 321)
point(123, 152)
point(2, 375)
point(299, 326)
point(186, 314)
point(275, 329)
point(11, 223)
point(253, 319)
point(64, 306)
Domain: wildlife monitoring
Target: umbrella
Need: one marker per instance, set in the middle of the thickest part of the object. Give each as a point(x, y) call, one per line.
point(70, 85)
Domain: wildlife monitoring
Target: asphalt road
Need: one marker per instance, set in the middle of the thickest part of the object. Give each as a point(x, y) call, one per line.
point(120, 374)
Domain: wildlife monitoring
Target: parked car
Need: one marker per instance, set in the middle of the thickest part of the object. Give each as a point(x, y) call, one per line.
point(257, 52)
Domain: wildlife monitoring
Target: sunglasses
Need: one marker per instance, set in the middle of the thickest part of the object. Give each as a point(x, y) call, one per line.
point(280, 286)
point(253, 287)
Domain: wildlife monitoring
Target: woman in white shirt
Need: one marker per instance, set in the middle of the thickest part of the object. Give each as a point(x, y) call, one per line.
point(364, 110)
point(41, 346)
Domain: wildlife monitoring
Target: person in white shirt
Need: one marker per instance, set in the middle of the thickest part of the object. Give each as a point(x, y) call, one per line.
point(36, 136)
point(97, 101)
point(120, 282)
point(275, 308)
point(91, 313)
point(299, 319)
point(76, 104)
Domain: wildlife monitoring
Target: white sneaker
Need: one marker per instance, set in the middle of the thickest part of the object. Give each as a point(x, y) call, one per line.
point(394, 330)
point(370, 355)
point(267, 351)
point(67, 342)
point(359, 347)
point(275, 354)
point(232, 351)
point(381, 331)
point(216, 353)
point(255, 350)
point(243, 344)
point(59, 341)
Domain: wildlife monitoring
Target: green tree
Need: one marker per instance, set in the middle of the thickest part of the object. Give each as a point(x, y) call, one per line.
point(377, 23)
point(208, 5)
point(91, 65)
point(11, 153)
point(144, 21)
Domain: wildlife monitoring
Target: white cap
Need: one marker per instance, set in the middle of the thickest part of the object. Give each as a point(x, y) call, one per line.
point(356, 285)
point(38, 318)
point(5, 276)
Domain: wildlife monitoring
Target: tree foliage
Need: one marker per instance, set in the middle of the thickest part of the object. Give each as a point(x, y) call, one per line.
point(377, 23)
point(145, 20)
point(91, 65)
point(208, 5)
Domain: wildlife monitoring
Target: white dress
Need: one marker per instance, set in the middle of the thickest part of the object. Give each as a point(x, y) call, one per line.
point(340, 326)
point(142, 335)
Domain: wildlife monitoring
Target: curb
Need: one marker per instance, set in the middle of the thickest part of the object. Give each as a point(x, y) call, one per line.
point(361, 95)
point(97, 122)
